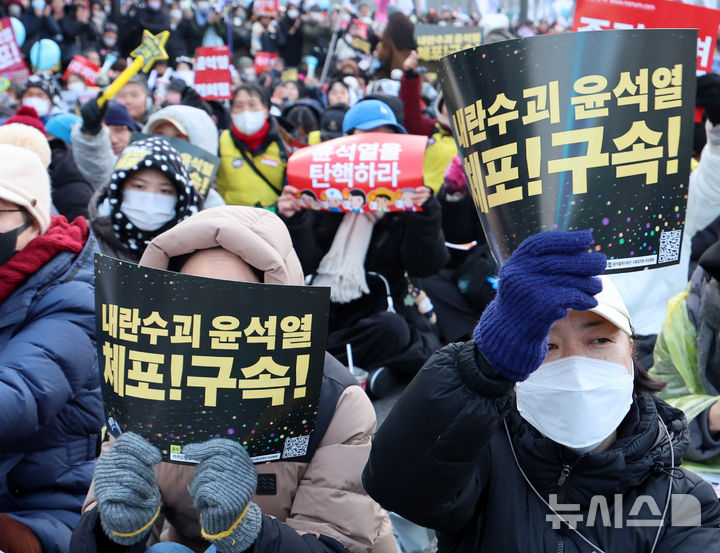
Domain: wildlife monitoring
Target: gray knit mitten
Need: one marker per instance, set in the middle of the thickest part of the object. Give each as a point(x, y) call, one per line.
point(126, 489)
point(225, 480)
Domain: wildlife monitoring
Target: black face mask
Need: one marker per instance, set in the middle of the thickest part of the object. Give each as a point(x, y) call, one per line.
point(8, 242)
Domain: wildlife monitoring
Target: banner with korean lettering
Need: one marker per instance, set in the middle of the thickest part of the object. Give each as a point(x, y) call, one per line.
point(596, 15)
point(83, 67)
point(185, 359)
point(435, 41)
point(370, 172)
point(265, 61)
point(268, 8)
point(213, 80)
point(554, 136)
point(12, 64)
point(201, 165)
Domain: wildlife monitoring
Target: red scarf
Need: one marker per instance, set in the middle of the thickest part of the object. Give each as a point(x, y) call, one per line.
point(60, 236)
point(253, 140)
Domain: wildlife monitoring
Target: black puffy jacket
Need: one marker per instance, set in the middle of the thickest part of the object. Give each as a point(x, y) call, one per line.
point(443, 459)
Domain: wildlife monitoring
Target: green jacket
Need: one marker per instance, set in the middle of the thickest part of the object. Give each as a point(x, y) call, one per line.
point(675, 362)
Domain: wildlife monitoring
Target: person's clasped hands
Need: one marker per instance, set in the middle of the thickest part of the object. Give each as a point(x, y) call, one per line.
point(129, 499)
point(549, 274)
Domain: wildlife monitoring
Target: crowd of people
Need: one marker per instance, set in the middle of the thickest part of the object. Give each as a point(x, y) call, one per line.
point(556, 390)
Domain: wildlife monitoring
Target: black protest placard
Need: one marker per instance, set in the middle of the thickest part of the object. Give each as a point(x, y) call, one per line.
point(437, 41)
point(186, 359)
point(579, 131)
point(202, 166)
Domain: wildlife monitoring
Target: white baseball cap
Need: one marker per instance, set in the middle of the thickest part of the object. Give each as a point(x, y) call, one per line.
point(612, 307)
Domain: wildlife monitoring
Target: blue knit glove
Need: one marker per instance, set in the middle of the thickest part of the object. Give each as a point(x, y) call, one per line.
point(548, 274)
point(225, 480)
point(126, 488)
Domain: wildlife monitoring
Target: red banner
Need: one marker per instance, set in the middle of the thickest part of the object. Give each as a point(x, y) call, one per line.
point(270, 8)
point(264, 61)
point(594, 15)
point(373, 172)
point(12, 64)
point(213, 80)
point(83, 67)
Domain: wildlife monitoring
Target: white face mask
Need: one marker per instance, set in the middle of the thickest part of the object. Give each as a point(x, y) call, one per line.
point(41, 105)
point(293, 14)
point(109, 42)
point(176, 14)
point(147, 210)
point(76, 86)
point(249, 122)
point(154, 5)
point(576, 401)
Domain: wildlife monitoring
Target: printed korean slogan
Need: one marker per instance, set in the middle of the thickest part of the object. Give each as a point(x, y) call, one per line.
point(213, 80)
point(185, 359)
point(554, 136)
point(201, 165)
point(370, 172)
point(12, 65)
point(435, 41)
point(596, 15)
point(83, 67)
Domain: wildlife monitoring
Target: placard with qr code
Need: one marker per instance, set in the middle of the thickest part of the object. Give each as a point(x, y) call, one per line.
point(185, 359)
point(579, 131)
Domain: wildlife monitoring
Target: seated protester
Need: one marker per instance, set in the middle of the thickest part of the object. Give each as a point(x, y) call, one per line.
point(41, 93)
point(543, 414)
point(686, 358)
point(137, 98)
point(317, 506)
point(50, 405)
point(104, 133)
point(148, 193)
point(338, 93)
point(192, 125)
point(364, 259)
point(70, 192)
point(461, 290)
point(252, 171)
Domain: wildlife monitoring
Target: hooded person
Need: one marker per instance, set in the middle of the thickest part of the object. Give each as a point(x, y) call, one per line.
point(50, 404)
point(367, 260)
point(148, 193)
point(311, 507)
point(41, 93)
point(540, 421)
point(192, 125)
point(686, 357)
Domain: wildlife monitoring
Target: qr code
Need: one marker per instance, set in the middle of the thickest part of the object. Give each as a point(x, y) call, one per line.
point(669, 246)
point(296, 447)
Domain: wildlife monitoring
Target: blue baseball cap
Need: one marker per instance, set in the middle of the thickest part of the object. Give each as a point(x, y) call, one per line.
point(370, 114)
point(60, 125)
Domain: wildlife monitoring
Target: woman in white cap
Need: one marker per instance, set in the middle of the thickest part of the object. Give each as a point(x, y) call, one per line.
point(543, 433)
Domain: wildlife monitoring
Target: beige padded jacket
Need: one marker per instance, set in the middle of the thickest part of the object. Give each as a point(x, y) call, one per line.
point(324, 496)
